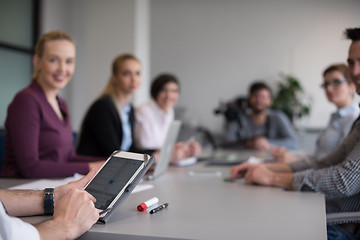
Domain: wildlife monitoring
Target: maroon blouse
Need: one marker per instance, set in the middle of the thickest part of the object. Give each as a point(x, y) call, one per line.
point(37, 143)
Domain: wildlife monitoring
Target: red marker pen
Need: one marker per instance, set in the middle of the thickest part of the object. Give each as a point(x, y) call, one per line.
point(143, 206)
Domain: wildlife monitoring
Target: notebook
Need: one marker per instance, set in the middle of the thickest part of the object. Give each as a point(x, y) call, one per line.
point(166, 151)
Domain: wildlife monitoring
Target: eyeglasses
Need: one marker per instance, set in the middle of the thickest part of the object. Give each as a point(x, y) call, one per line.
point(334, 83)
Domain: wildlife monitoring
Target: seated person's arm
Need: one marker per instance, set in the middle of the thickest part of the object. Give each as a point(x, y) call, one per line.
point(339, 155)
point(286, 135)
point(263, 175)
point(260, 143)
point(239, 134)
point(23, 202)
point(336, 181)
point(74, 214)
point(335, 175)
point(183, 150)
point(278, 167)
point(231, 134)
point(74, 210)
point(31, 202)
point(282, 155)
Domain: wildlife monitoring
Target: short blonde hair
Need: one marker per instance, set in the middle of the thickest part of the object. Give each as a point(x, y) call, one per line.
point(50, 36)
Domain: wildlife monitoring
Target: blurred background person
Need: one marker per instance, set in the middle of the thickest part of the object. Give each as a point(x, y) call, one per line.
point(260, 127)
point(39, 138)
point(109, 123)
point(154, 117)
point(339, 91)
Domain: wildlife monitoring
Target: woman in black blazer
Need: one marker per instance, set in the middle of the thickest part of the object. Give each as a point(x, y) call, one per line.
point(109, 122)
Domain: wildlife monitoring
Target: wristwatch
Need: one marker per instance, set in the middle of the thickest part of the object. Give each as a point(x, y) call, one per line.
point(49, 201)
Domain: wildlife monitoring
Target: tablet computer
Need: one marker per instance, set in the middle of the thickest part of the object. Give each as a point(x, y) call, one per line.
point(115, 180)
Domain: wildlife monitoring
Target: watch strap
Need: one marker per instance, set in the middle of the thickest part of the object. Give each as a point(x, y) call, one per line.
point(49, 201)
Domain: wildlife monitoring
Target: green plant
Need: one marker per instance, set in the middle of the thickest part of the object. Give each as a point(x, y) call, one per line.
point(291, 98)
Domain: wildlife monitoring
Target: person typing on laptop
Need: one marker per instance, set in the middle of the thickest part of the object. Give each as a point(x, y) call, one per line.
point(155, 116)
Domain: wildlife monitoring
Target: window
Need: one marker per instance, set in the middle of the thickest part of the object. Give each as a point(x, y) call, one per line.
point(19, 21)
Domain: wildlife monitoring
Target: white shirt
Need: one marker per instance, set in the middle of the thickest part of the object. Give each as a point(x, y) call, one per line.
point(15, 229)
point(151, 126)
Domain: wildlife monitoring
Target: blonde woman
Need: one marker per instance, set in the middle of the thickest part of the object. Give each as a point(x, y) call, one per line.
point(109, 122)
point(39, 139)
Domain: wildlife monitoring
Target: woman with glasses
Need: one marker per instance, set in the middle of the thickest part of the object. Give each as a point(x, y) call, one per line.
point(339, 90)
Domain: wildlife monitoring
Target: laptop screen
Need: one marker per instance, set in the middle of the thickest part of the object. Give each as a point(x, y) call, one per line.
point(166, 150)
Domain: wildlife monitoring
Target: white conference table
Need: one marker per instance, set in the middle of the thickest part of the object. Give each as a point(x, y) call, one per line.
point(203, 206)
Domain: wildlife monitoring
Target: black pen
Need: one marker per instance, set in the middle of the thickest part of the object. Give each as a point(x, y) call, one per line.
point(162, 206)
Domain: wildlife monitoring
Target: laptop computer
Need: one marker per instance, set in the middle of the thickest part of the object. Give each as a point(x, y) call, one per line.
point(166, 151)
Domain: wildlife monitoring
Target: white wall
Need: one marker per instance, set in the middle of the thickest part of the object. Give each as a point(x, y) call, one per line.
point(52, 18)
point(142, 48)
point(102, 30)
point(217, 48)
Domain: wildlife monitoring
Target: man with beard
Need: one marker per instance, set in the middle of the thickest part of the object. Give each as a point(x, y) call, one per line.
point(261, 127)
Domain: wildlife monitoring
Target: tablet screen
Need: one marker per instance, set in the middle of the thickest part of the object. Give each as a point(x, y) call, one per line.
point(111, 180)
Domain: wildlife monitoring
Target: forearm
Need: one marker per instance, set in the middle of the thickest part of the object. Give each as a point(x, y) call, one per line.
point(23, 202)
point(74, 214)
point(49, 169)
point(50, 230)
point(260, 174)
point(83, 158)
point(335, 182)
point(27, 202)
point(279, 167)
point(288, 142)
point(283, 180)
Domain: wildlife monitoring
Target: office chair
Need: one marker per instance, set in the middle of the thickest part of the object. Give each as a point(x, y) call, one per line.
point(342, 217)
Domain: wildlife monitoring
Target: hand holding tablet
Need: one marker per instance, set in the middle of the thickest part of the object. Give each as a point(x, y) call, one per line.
point(116, 179)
